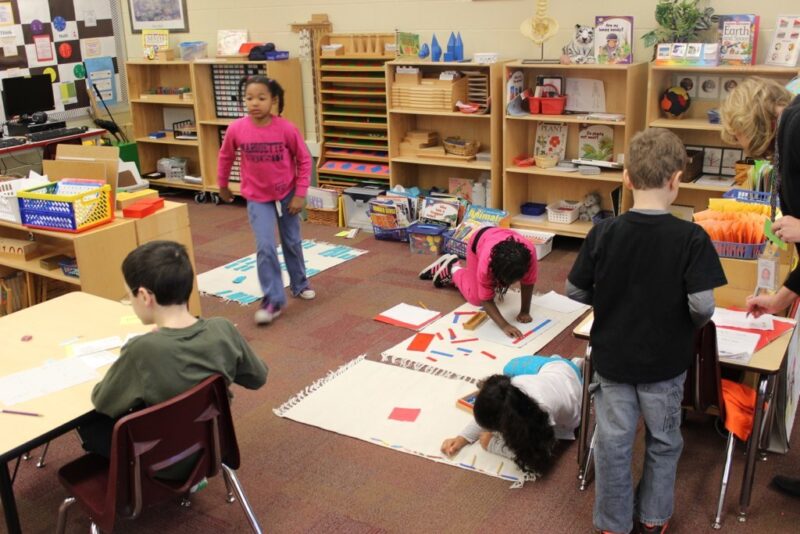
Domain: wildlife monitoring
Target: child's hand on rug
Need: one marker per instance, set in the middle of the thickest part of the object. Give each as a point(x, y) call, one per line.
point(511, 331)
point(451, 446)
point(485, 438)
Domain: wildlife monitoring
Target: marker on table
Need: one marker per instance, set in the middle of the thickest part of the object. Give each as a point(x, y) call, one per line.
point(15, 412)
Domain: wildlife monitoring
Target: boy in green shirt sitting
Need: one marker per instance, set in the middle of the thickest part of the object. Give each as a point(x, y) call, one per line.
point(178, 354)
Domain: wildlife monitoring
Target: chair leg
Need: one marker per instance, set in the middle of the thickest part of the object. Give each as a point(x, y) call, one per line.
point(588, 464)
point(40, 463)
point(61, 526)
point(231, 497)
point(726, 472)
point(230, 475)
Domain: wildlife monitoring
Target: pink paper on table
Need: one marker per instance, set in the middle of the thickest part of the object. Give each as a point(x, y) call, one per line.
point(405, 414)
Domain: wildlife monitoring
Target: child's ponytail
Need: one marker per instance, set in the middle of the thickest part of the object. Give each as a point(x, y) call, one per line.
point(272, 86)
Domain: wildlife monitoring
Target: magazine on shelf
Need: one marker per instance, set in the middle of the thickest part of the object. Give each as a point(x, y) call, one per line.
point(738, 39)
point(613, 41)
point(551, 140)
point(596, 142)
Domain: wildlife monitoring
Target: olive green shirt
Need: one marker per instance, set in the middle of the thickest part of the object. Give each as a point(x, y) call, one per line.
point(157, 366)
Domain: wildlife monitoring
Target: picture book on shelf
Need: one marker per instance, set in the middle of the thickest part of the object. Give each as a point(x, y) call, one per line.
point(738, 39)
point(783, 51)
point(551, 140)
point(613, 41)
point(596, 141)
point(440, 210)
point(389, 213)
point(461, 188)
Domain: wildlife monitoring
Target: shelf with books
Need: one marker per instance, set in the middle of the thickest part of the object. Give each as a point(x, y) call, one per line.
point(569, 137)
point(707, 86)
point(428, 110)
point(353, 117)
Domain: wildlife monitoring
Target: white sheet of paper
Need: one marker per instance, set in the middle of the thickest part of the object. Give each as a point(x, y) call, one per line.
point(556, 302)
point(413, 315)
point(98, 345)
point(584, 94)
point(736, 345)
point(43, 380)
point(99, 359)
point(739, 319)
point(489, 331)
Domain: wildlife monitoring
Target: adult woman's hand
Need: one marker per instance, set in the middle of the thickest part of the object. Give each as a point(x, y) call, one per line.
point(787, 228)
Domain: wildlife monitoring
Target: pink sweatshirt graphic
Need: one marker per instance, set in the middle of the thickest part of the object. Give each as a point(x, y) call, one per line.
point(274, 161)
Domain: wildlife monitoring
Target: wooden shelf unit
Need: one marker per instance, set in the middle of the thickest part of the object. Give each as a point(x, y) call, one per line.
point(427, 172)
point(694, 128)
point(353, 119)
point(147, 112)
point(625, 86)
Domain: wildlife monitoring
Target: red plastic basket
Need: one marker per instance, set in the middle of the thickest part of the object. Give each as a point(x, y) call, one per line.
point(553, 105)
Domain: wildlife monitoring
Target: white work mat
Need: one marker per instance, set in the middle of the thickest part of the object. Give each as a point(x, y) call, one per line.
point(359, 398)
point(474, 360)
point(238, 280)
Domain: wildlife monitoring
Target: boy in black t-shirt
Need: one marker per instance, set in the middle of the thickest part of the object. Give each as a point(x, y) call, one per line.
point(650, 278)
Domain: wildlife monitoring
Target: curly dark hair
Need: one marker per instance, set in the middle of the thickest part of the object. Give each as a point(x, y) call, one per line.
point(525, 427)
point(508, 262)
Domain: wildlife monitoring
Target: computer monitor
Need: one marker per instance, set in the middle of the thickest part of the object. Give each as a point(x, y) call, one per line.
point(26, 95)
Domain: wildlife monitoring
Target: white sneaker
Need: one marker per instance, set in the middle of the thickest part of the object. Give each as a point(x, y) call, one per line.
point(307, 294)
point(266, 314)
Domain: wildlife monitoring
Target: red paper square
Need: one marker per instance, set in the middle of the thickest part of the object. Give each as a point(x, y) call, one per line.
point(408, 415)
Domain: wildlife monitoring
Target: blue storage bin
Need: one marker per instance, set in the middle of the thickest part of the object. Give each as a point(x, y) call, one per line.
point(426, 238)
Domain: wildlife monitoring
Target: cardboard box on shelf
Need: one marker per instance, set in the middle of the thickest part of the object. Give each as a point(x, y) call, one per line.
point(89, 162)
point(18, 248)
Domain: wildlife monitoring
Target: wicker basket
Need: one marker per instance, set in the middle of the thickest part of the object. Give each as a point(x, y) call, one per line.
point(323, 216)
point(461, 147)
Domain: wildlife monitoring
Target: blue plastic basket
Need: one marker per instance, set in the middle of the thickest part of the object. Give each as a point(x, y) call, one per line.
point(392, 234)
point(454, 246)
point(748, 195)
point(741, 251)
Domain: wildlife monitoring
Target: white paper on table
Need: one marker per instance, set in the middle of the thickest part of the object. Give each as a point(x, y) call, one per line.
point(489, 331)
point(736, 345)
point(739, 319)
point(556, 302)
point(99, 359)
point(43, 380)
point(98, 345)
point(411, 315)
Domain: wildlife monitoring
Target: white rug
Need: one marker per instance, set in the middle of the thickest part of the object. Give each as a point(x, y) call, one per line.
point(474, 359)
point(238, 281)
point(399, 409)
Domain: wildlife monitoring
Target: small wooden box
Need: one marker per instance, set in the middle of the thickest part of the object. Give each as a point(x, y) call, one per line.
point(430, 94)
point(17, 248)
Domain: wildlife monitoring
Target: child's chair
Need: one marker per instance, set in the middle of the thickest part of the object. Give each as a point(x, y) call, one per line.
point(192, 432)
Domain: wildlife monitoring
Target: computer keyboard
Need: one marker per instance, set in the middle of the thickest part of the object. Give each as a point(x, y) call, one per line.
point(54, 134)
point(11, 141)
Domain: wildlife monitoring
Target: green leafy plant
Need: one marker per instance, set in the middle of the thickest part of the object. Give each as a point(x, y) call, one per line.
point(680, 21)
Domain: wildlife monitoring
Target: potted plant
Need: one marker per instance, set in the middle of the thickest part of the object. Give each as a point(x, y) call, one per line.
point(680, 21)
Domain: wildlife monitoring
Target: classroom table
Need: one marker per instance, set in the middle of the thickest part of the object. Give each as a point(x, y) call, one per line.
point(765, 364)
point(51, 326)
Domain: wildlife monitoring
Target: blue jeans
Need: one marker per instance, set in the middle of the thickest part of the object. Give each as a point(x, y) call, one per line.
point(263, 220)
point(617, 410)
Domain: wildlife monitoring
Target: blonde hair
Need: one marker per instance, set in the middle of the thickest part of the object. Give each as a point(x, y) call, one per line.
point(655, 154)
point(750, 111)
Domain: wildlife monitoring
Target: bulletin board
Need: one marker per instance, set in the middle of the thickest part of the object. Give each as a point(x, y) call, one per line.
point(64, 39)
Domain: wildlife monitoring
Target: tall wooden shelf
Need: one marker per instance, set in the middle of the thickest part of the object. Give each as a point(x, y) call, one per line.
point(625, 87)
point(352, 111)
point(694, 128)
point(147, 112)
point(427, 172)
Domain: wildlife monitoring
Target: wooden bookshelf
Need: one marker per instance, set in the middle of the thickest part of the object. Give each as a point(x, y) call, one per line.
point(426, 172)
point(625, 87)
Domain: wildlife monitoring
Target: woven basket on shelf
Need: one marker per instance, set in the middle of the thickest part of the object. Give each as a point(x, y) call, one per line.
point(323, 216)
point(461, 147)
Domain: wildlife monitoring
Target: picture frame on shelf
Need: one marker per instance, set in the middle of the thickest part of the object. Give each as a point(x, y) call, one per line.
point(169, 15)
point(712, 160)
point(708, 87)
point(729, 158)
point(727, 84)
point(688, 82)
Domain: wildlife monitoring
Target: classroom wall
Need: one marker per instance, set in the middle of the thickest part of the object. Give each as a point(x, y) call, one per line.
point(485, 25)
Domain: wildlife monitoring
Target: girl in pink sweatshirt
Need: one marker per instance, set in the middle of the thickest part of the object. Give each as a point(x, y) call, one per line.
point(275, 173)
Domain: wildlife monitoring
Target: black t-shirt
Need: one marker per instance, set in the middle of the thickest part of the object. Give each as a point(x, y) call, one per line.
point(789, 146)
point(640, 269)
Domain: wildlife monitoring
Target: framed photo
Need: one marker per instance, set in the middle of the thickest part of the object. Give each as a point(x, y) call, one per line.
point(727, 85)
point(689, 83)
point(708, 87)
point(712, 160)
point(158, 15)
point(729, 158)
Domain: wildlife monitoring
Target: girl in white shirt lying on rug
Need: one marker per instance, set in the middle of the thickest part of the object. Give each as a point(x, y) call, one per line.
point(521, 413)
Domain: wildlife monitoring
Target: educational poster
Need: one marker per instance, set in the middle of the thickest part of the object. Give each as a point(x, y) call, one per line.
point(785, 46)
point(100, 74)
point(54, 37)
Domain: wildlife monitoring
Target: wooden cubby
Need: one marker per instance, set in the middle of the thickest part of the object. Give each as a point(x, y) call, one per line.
point(693, 128)
point(624, 87)
point(352, 110)
point(147, 112)
point(427, 172)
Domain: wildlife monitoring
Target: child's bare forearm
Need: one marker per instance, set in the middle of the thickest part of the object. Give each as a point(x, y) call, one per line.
point(494, 313)
point(525, 300)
